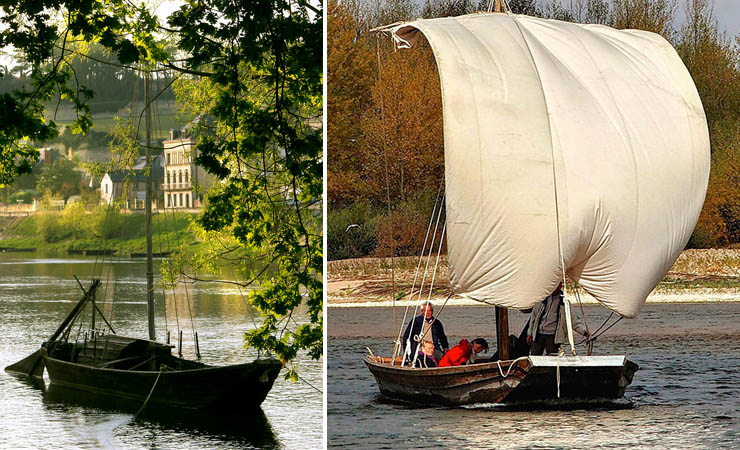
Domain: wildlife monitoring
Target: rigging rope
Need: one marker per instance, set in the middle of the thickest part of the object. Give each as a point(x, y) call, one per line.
point(398, 345)
point(436, 264)
point(423, 279)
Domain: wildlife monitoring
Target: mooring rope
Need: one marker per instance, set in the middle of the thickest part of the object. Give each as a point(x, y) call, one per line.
point(511, 366)
point(150, 393)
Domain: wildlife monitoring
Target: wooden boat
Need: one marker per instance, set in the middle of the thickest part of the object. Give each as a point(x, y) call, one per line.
point(573, 153)
point(146, 371)
point(142, 370)
point(531, 380)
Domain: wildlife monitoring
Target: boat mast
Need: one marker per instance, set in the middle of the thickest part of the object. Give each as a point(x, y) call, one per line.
point(502, 333)
point(148, 208)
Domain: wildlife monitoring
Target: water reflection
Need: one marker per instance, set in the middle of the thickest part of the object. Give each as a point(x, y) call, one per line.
point(35, 295)
point(249, 427)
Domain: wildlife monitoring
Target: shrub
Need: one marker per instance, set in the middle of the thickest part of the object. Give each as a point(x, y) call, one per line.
point(74, 220)
point(402, 232)
point(351, 232)
point(24, 196)
point(106, 222)
point(48, 227)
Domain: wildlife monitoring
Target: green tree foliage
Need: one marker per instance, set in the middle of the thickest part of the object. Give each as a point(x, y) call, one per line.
point(74, 221)
point(106, 222)
point(59, 179)
point(265, 63)
point(40, 31)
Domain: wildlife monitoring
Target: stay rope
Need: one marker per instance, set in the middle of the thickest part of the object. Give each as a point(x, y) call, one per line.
point(397, 344)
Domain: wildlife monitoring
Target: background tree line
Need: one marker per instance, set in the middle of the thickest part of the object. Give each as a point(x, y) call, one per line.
point(384, 114)
point(94, 67)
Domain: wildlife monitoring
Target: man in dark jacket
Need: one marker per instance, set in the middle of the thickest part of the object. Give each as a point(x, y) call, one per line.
point(426, 327)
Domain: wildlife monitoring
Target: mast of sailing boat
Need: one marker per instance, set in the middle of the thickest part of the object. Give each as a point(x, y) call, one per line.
point(148, 208)
point(502, 314)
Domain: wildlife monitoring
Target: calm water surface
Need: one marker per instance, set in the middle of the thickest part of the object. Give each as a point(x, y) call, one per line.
point(35, 295)
point(686, 394)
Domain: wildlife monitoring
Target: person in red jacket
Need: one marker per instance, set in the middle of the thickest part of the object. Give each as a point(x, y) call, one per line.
point(459, 354)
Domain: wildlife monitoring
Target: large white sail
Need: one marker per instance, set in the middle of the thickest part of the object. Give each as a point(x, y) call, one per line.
point(605, 124)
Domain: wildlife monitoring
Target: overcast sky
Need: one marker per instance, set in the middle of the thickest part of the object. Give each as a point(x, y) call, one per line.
point(727, 13)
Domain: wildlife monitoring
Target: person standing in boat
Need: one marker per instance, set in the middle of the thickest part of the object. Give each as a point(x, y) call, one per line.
point(548, 327)
point(427, 328)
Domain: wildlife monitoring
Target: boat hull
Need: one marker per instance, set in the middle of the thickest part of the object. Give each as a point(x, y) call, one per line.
point(527, 380)
point(235, 386)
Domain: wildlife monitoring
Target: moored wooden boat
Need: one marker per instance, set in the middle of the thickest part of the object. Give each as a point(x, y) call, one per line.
point(160, 379)
point(528, 380)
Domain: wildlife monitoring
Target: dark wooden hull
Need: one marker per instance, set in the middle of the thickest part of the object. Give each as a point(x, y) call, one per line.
point(528, 380)
point(202, 387)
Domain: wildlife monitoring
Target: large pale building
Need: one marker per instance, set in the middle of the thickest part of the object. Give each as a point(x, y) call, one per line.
point(181, 174)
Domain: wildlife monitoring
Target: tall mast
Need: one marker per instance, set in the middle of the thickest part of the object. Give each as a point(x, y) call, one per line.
point(502, 333)
point(148, 206)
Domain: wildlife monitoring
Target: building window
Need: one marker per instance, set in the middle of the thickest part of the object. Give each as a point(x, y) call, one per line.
point(168, 159)
point(181, 200)
point(106, 188)
point(187, 200)
point(186, 176)
point(179, 173)
point(168, 177)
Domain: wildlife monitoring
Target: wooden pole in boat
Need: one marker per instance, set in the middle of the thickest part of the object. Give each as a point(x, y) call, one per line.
point(148, 207)
point(92, 302)
point(502, 333)
point(497, 6)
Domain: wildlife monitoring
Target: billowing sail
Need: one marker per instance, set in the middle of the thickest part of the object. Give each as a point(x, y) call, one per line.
point(563, 135)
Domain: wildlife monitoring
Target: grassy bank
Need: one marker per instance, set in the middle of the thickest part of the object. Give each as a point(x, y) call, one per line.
point(122, 234)
point(710, 271)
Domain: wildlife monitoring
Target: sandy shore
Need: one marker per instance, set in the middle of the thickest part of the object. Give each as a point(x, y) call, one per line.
point(698, 276)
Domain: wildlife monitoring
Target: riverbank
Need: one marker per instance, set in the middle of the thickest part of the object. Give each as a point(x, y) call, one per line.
point(699, 275)
point(124, 234)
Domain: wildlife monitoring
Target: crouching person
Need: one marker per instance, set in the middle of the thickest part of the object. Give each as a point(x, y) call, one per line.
point(462, 352)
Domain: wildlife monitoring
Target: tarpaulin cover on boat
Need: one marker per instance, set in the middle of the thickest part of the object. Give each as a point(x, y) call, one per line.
point(606, 124)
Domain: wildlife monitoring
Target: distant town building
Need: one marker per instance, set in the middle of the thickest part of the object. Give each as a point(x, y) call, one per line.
point(47, 156)
point(132, 183)
point(182, 175)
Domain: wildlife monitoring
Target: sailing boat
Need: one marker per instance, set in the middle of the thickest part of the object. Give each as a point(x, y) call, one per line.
point(571, 152)
point(143, 370)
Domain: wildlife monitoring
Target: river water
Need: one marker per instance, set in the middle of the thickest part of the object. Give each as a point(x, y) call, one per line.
point(37, 292)
point(686, 394)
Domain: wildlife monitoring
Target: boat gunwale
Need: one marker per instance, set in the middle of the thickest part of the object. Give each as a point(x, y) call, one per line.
point(506, 365)
point(173, 371)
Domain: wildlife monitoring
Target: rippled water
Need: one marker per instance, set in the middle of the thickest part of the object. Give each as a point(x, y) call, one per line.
point(35, 295)
point(686, 394)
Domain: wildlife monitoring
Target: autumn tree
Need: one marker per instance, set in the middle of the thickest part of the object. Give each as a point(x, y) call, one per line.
point(351, 69)
point(713, 60)
point(403, 128)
